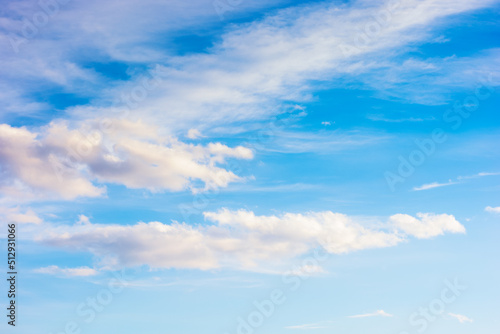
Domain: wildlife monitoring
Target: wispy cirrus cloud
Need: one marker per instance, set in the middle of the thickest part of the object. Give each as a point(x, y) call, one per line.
point(461, 318)
point(379, 313)
point(67, 272)
point(317, 325)
point(458, 180)
point(382, 118)
point(478, 175)
point(251, 72)
point(433, 185)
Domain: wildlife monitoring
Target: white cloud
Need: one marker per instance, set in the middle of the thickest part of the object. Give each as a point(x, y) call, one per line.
point(289, 141)
point(15, 215)
point(433, 185)
point(317, 325)
point(459, 179)
point(492, 209)
point(26, 165)
point(79, 34)
point(382, 118)
point(427, 225)
point(194, 134)
point(379, 313)
point(83, 220)
point(478, 175)
point(64, 162)
point(308, 270)
point(240, 239)
point(461, 318)
point(68, 272)
point(257, 68)
point(487, 174)
point(449, 74)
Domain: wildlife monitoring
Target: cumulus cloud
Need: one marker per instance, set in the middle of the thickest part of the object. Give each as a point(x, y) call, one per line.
point(379, 313)
point(25, 163)
point(240, 239)
point(64, 162)
point(492, 209)
point(427, 225)
point(68, 272)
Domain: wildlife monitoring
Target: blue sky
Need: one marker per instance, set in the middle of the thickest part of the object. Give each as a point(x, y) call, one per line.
point(252, 166)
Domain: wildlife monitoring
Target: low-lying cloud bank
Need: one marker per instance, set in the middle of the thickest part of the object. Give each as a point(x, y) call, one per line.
point(241, 240)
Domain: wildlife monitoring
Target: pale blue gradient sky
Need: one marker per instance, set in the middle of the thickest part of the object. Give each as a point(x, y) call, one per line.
point(204, 230)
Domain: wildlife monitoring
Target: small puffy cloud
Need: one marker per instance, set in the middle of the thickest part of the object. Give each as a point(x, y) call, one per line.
point(83, 220)
point(427, 225)
point(194, 134)
point(492, 209)
point(67, 272)
point(379, 313)
point(240, 239)
point(15, 215)
point(461, 318)
point(64, 162)
point(326, 123)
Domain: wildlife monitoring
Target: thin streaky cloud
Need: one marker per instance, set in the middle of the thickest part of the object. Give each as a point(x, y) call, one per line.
point(67, 272)
point(207, 89)
point(381, 118)
point(459, 179)
point(379, 313)
point(475, 176)
point(433, 185)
